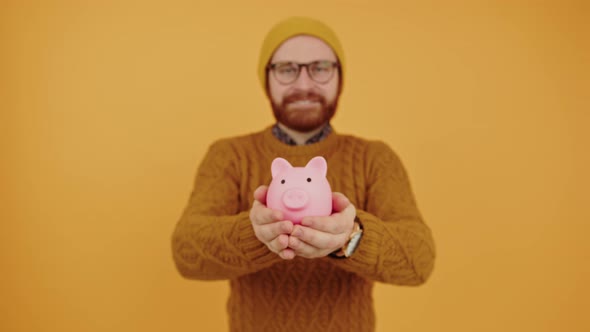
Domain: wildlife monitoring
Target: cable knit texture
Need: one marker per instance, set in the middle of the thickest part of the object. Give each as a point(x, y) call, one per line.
point(214, 239)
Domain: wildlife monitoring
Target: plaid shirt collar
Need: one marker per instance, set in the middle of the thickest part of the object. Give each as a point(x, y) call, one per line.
point(282, 136)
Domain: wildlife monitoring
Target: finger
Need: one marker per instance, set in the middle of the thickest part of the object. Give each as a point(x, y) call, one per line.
point(269, 232)
point(339, 202)
point(287, 254)
point(302, 249)
point(279, 243)
point(323, 224)
point(334, 224)
point(260, 194)
point(261, 215)
point(315, 238)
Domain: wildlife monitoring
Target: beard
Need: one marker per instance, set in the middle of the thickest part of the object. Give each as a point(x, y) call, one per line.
point(315, 111)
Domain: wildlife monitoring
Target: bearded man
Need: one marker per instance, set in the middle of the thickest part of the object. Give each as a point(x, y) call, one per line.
point(317, 275)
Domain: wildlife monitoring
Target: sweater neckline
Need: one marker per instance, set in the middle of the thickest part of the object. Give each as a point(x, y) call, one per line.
point(279, 149)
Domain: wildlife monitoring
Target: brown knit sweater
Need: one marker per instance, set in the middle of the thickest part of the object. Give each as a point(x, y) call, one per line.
point(214, 238)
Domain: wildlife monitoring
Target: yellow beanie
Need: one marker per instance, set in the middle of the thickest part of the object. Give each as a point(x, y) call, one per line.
point(292, 27)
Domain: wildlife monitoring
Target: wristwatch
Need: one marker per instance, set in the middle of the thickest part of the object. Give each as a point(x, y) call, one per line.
point(349, 247)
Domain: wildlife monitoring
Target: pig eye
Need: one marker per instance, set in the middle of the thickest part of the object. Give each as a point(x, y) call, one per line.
point(282, 181)
point(308, 179)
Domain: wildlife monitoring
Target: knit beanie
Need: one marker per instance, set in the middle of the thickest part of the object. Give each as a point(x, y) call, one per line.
point(292, 27)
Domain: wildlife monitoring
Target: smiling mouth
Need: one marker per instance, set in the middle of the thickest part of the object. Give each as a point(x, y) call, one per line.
point(304, 102)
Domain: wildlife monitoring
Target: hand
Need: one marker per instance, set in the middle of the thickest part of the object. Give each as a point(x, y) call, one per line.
point(320, 236)
point(269, 226)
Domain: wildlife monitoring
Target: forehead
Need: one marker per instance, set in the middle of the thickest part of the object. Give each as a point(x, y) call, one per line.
point(303, 49)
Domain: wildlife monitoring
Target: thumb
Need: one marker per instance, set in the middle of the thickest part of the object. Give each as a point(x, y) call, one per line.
point(260, 194)
point(339, 202)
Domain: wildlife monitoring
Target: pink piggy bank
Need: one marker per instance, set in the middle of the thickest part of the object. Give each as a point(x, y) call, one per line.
point(300, 191)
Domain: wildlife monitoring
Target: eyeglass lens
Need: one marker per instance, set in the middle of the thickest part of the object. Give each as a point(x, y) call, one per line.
point(288, 72)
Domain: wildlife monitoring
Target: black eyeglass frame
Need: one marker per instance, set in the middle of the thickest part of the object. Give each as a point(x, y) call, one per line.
point(272, 66)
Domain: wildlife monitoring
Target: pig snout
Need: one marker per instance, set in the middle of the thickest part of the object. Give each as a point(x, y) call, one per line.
point(295, 199)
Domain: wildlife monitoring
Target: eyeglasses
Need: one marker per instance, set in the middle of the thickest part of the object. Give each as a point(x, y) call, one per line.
point(288, 72)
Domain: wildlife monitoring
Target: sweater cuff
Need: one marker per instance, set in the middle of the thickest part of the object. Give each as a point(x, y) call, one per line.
point(254, 250)
point(366, 256)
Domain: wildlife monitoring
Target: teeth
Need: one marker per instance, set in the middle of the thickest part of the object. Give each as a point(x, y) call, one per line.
point(304, 102)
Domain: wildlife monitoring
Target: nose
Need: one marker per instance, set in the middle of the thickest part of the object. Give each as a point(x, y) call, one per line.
point(304, 81)
point(295, 199)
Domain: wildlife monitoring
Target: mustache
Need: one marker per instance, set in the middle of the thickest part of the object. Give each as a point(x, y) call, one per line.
point(300, 95)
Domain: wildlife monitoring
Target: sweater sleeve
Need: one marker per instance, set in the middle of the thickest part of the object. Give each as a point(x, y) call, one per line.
point(213, 240)
point(397, 246)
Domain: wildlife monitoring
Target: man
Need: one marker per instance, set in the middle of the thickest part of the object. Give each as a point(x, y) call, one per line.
point(319, 275)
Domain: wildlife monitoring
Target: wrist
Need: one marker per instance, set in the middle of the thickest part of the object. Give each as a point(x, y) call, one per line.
point(352, 243)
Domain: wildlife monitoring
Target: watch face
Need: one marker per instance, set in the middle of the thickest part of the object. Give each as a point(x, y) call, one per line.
point(353, 244)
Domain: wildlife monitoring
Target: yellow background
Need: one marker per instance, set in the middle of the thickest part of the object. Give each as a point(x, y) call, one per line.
point(107, 107)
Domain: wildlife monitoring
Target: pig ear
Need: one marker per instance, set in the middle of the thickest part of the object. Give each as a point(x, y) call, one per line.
point(319, 164)
point(279, 165)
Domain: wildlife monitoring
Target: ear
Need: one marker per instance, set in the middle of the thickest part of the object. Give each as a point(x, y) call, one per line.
point(279, 165)
point(319, 164)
